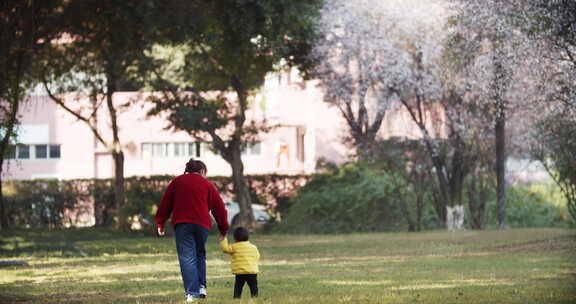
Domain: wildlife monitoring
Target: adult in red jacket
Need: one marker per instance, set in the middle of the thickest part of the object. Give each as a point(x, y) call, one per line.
point(189, 198)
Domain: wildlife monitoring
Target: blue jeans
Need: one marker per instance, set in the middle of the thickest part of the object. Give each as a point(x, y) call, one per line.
point(190, 244)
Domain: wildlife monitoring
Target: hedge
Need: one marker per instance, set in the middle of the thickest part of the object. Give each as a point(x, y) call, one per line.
point(83, 202)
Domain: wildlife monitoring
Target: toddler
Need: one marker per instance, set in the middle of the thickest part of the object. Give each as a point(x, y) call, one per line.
point(245, 257)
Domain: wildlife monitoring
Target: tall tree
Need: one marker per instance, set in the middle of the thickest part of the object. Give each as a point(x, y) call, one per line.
point(491, 35)
point(24, 27)
point(556, 148)
point(552, 26)
point(94, 58)
point(397, 51)
point(227, 57)
point(351, 53)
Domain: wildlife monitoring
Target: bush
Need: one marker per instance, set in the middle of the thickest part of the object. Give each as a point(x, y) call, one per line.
point(535, 205)
point(143, 194)
point(353, 198)
point(59, 203)
point(45, 203)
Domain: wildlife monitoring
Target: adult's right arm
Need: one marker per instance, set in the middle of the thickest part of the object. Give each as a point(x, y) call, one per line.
point(165, 208)
point(218, 210)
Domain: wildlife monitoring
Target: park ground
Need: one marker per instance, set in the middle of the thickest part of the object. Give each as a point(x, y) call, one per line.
point(103, 266)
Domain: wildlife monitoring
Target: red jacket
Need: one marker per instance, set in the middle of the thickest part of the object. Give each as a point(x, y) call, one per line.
point(189, 197)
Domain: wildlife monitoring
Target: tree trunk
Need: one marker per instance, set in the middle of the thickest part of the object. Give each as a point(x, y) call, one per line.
point(3, 215)
point(477, 197)
point(454, 208)
point(455, 217)
point(501, 166)
point(419, 202)
point(246, 217)
point(119, 194)
point(456, 213)
point(12, 120)
point(440, 208)
point(3, 218)
point(407, 215)
point(364, 148)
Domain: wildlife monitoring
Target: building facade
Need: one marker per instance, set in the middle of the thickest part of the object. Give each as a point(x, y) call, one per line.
point(54, 144)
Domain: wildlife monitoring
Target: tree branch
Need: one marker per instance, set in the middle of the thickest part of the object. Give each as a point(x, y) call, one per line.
point(61, 103)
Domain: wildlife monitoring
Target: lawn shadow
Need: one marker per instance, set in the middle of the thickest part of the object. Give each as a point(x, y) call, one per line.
point(10, 298)
point(77, 242)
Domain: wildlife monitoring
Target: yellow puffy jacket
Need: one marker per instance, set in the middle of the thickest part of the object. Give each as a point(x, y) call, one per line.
point(245, 256)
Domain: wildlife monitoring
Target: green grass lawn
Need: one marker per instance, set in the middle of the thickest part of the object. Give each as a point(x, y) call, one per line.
point(102, 266)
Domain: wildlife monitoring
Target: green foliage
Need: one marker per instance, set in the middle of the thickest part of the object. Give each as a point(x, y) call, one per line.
point(43, 204)
point(25, 26)
point(227, 56)
point(103, 199)
point(537, 205)
point(54, 204)
point(351, 199)
point(102, 48)
point(557, 151)
point(143, 194)
point(231, 48)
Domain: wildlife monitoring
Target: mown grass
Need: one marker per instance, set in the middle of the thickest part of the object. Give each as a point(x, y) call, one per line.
point(102, 266)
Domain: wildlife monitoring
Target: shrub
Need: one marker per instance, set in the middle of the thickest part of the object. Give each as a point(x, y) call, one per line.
point(353, 198)
point(143, 194)
point(45, 203)
point(58, 203)
point(535, 205)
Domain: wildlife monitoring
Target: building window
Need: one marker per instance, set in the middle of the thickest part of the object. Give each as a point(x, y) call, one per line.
point(252, 148)
point(198, 148)
point(192, 149)
point(159, 150)
point(33, 152)
point(206, 149)
point(169, 150)
point(41, 151)
point(54, 151)
point(180, 149)
point(23, 152)
point(146, 150)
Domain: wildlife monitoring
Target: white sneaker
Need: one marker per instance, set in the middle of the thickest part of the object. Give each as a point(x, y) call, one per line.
point(191, 298)
point(202, 292)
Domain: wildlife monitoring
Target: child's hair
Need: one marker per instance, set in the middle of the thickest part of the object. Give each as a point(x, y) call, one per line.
point(241, 234)
point(195, 166)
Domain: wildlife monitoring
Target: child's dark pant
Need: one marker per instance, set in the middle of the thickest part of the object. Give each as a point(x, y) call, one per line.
point(251, 279)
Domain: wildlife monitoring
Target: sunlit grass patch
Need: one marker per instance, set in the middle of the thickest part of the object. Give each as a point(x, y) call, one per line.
point(515, 266)
point(358, 283)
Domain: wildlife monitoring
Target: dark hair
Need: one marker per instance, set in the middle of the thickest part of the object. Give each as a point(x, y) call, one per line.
point(196, 166)
point(241, 234)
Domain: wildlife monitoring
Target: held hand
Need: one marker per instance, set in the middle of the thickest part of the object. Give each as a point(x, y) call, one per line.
point(160, 231)
point(221, 237)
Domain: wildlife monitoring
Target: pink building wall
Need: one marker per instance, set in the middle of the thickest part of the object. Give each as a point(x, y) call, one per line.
point(76, 157)
point(310, 129)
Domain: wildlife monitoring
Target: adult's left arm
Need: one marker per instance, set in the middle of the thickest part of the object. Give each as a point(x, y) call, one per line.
point(165, 209)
